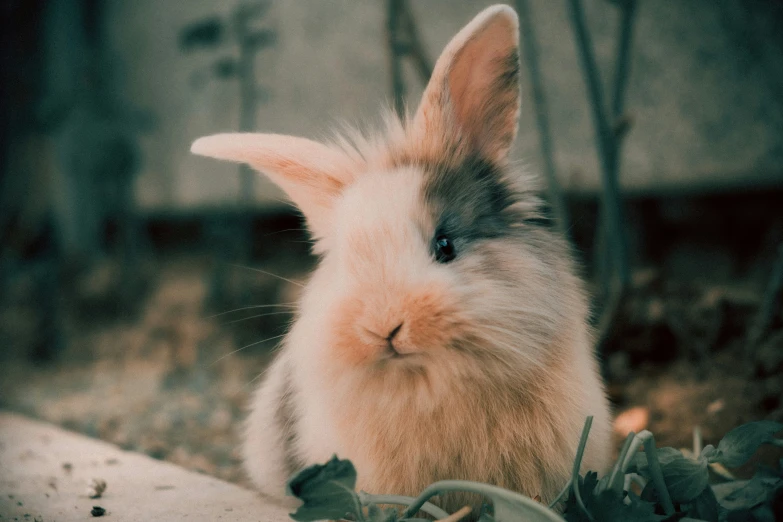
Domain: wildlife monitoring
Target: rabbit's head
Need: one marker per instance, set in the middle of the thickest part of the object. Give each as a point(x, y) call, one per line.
point(433, 252)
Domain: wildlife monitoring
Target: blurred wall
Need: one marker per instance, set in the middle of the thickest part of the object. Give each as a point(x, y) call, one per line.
point(704, 92)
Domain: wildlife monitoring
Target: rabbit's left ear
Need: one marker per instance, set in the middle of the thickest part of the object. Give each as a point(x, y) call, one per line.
point(473, 99)
point(311, 173)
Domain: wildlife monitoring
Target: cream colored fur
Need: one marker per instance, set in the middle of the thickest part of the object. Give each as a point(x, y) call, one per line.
point(494, 372)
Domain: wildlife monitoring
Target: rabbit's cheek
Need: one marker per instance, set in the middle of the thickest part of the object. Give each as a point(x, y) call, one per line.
point(348, 339)
point(430, 322)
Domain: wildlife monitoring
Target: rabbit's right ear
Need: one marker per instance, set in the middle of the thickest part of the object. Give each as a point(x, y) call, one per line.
point(471, 103)
point(311, 173)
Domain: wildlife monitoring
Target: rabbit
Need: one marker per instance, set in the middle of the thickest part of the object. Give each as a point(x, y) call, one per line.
point(444, 333)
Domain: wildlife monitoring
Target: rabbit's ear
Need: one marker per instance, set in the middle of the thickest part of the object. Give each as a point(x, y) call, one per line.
point(310, 173)
point(473, 96)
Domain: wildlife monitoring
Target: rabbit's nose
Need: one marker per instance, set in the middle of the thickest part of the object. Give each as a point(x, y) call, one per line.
point(390, 341)
point(394, 332)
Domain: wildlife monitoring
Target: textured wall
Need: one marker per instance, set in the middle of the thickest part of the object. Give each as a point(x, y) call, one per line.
point(705, 103)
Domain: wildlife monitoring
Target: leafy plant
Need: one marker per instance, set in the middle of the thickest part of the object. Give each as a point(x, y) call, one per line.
point(670, 485)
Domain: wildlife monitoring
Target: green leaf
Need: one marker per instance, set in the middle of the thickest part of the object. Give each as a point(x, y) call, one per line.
point(327, 492)
point(608, 507)
point(741, 443)
point(756, 491)
point(638, 463)
point(707, 452)
point(705, 506)
point(685, 478)
point(587, 486)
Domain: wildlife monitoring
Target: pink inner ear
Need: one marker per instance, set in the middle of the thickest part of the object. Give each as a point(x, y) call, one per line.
point(288, 160)
point(311, 173)
point(472, 101)
point(484, 89)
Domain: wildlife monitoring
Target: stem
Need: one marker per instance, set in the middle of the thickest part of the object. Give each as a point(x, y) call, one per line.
point(577, 464)
point(613, 297)
point(615, 480)
point(560, 495)
point(528, 36)
point(394, 13)
point(248, 97)
point(655, 471)
point(698, 443)
point(415, 49)
point(623, 57)
point(637, 442)
point(627, 480)
point(648, 440)
point(607, 146)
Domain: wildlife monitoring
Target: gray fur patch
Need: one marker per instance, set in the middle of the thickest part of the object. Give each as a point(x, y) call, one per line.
point(471, 202)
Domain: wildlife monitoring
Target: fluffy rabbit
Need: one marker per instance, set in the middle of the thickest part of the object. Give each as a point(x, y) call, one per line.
point(444, 333)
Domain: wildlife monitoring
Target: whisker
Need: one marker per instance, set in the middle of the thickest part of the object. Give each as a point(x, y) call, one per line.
point(254, 379)
point(246, 346)
point(260, 374)
point(268, 273)
point(286, 230)
point(257, 315)
point(289, 305)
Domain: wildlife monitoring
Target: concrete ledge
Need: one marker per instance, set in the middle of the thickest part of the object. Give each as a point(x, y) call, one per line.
point(45, 471)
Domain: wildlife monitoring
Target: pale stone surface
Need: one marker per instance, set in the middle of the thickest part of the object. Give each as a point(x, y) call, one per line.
point(45, 473)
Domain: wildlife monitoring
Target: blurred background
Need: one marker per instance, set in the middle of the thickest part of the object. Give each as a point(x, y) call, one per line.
point(143, 290)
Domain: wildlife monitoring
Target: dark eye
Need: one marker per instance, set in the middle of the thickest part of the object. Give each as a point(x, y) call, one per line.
point(444, 249)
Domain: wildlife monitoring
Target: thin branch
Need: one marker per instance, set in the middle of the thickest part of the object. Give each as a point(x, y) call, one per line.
point(414, 48)
point(622, 64)
point(528, 37)
point(610, 239)
point(392, 32)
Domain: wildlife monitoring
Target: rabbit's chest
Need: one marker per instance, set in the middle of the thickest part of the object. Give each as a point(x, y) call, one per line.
point(402, 450)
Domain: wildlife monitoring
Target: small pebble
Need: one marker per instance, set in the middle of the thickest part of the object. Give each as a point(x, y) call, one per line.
point(96, 487)
point(633, 420)
point(97, 511)
point(715, 406)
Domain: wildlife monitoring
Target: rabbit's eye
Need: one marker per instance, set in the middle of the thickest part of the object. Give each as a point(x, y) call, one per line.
point(444, 249)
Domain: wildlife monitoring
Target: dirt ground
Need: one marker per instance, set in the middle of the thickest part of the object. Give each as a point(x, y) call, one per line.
point(170, 374)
